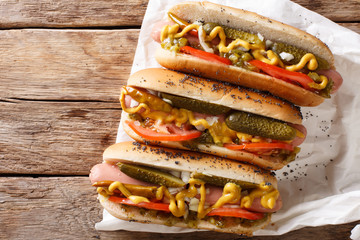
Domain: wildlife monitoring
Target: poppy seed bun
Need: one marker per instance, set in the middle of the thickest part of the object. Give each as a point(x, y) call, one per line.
point(135, 214)
point(179, 160)
point(254, 23)
point(216, 92)
point(249, 22)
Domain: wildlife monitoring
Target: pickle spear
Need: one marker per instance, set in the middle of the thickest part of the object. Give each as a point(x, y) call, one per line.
point(233, 33)
point(260, 126)
point(151, 175)
point(195, 105)
point(298, 54)
point(221, 181)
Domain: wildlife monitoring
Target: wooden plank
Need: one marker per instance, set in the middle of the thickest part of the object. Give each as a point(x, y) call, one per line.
point(57, 14)
point(69, 64)
point(65, 64)
point(353, 26)
point(102, 13)
point(338, 11)
point(61, 138)
point(67, 208)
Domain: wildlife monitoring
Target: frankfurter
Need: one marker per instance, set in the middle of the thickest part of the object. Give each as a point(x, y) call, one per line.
point(148, 184)
point(246, 49)
point(172, 109)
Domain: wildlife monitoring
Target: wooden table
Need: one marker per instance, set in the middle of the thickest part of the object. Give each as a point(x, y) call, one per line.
point(61, 67)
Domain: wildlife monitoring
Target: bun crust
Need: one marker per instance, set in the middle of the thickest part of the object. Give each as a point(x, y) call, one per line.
point(212, 91)
point(180, 160)
point(134, 214)
point(265, 162)
point(239, 76)
point(249, 22)
point(254, 23)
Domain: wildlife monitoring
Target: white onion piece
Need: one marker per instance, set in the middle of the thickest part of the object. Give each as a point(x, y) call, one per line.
point(203, 44)
point(286, 56)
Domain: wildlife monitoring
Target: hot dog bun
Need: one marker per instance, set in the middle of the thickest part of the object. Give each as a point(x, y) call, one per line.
point(250, 22)
point(177, 160)
point(162, 80)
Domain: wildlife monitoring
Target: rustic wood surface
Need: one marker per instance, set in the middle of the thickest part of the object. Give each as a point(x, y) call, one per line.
point(59, 111)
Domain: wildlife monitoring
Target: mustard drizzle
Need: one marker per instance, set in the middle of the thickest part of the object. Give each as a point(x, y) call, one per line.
point(257, 50)
point(231, 195)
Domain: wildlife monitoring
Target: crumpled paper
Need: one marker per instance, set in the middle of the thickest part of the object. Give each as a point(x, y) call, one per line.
point(323, 185)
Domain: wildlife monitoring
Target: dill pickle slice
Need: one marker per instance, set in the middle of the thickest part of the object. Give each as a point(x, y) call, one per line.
point(233, 33)
point(151, 175)
point(196, 105)
point(257, 125)
point(144, 191)
point(298, 53)
point(221, 181)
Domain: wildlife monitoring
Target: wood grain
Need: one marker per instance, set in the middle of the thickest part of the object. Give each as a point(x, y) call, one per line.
point(59, 111)
point(82, 13)
point(102, 13)
point(67, 208)
point(353, 26)
point(65, 64)
point(55, 138)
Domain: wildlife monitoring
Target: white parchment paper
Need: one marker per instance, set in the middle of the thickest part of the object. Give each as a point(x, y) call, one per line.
point(323, 185)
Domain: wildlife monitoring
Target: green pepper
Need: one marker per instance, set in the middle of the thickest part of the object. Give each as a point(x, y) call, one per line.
point(177, 20)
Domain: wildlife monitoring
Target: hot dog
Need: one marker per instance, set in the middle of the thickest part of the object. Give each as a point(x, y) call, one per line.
point(172, 109)
point(186, 189)
point(247, 49)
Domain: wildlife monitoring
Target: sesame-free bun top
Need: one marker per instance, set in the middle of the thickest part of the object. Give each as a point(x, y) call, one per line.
point(254, 23)
point(216, 92)
point(180, 160)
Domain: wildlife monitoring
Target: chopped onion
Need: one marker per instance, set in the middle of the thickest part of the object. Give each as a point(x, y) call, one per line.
point(286, 56)
point(194, 204)
point(175, 173)
point(200, 127)
point(261, 37)
point(212, 120)
point(174, 190)
point(133, 103)
point(185, 176)
point(167, 100)
point(268, 43)
point(203, 44)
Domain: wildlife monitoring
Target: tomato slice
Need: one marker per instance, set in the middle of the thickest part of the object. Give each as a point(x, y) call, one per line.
point(149, 134)
point(236, 212)
point(225, 212)
point(259, 146)
point(205, 55)
point(148, 205)
point(283, 74)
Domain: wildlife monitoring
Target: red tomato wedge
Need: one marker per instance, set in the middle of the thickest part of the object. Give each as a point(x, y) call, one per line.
point(259, 146)
point(225, 212)
point(236, 212)
point(148, 205)
point(205, 55)
point(283, 74)
point(149, 134)
point(194, 33)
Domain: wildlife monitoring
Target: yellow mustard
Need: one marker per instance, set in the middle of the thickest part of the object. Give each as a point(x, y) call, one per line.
point(267, 193)
point(257, 50)
point(231, 195)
